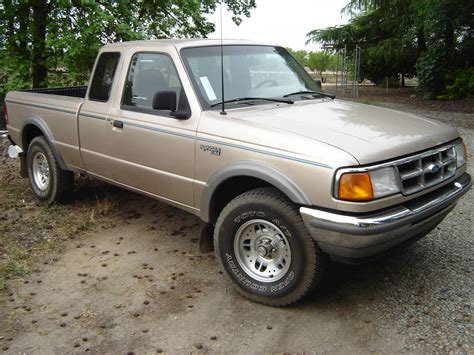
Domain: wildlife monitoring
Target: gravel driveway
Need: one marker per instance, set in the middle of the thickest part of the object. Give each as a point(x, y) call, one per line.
point(143, 286)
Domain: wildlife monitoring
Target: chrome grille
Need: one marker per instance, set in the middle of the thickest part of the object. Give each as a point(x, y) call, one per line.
point(427, 169)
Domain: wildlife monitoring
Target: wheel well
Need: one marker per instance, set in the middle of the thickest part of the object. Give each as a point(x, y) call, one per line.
point(29, 133)
point(229, 189)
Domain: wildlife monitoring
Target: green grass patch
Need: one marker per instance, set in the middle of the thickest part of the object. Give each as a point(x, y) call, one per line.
point(13, 266)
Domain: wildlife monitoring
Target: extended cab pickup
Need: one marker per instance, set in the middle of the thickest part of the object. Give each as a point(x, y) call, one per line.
point(287, 176)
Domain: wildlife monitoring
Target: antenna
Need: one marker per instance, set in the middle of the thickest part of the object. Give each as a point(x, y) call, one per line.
point(222, 68)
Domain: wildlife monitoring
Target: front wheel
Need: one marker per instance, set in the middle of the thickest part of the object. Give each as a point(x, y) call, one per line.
point(49, 182)
point(265, 249)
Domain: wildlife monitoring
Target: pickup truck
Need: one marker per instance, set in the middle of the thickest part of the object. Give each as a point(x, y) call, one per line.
point(240, 135)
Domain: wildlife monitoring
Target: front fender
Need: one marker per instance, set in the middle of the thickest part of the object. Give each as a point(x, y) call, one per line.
point(254, 169)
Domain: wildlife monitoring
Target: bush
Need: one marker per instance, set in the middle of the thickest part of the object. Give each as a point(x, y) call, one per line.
point(459, 85)
point(430, 70)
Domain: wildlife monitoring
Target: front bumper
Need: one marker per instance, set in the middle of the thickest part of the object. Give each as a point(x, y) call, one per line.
point(351, 237)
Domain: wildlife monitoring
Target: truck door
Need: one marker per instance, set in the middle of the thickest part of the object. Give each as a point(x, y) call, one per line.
point(93, 114)
point(150, 150)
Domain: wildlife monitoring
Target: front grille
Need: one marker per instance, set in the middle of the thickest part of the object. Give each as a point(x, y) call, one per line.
point(427, 169)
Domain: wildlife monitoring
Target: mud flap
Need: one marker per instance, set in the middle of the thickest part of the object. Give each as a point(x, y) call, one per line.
point(206, 242)
point(23, 168)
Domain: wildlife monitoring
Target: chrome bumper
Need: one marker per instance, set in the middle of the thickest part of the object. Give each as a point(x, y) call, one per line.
point(360, 236)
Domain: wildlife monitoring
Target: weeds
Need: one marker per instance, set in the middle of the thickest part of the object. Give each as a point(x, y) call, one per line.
point(105, 206)
point(14, 266)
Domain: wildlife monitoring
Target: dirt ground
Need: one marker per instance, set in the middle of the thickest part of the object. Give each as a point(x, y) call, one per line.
point(144, 286)
point(116, 272)
point(406, 97)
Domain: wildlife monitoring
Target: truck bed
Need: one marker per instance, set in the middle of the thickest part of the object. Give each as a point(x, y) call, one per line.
point(72, 91)
point(55, 110)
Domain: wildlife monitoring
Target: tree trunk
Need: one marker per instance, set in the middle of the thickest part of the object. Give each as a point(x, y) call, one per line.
point(38, 57)
point(403, 80)
point(449, 40)
point(420, 40)
point(449, 34)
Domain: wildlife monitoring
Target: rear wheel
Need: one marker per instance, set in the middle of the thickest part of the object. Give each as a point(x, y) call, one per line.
point(265, 249)
point(49, 182)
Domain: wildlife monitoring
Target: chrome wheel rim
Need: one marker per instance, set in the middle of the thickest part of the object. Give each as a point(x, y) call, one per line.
point(41, 171)
point(262, 250)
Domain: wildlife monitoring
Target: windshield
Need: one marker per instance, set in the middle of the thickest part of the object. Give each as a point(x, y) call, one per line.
point(249, 72)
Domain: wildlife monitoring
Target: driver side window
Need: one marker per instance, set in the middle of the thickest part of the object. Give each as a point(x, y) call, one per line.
point(150, 73)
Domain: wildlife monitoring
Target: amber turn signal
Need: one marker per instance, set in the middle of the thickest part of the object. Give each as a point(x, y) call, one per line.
point(355, 187)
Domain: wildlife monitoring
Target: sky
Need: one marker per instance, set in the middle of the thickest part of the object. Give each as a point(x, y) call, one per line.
point(283, 22)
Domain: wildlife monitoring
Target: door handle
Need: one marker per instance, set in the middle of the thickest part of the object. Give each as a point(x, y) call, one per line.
point(118, 124)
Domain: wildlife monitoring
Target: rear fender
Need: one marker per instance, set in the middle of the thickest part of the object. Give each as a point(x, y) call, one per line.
point(39, 123)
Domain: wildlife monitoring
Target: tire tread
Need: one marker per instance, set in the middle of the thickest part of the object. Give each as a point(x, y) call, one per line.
point(317, 262)
point(63, 183)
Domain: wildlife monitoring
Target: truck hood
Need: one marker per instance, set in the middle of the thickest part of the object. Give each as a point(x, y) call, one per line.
point(369, 133)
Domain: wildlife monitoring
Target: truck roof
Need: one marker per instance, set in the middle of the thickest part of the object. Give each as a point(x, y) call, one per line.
point(182, 43)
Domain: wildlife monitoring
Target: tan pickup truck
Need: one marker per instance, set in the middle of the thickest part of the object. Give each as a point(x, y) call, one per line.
point(289, 177)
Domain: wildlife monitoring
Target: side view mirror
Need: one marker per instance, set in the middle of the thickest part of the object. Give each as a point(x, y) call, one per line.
point(318, 84)
point(166, 100)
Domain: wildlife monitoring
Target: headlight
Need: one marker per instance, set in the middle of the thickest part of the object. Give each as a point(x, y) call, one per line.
point(461, 154)
point(384, 182)
point(366, 186)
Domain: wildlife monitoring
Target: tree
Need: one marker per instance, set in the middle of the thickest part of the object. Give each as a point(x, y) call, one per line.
point(40, 40)
point(300, 55)
point(320, 61)
point(448, 29)
point(386, 46)
point(406, 37)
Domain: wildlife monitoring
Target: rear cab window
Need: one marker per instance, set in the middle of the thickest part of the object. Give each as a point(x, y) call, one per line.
point(104, 76)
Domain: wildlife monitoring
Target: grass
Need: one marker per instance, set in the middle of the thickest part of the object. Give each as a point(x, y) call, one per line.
point(14, 266)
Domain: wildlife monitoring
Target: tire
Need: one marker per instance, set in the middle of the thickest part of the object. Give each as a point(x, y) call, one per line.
point(49, 182)
point(262, 227)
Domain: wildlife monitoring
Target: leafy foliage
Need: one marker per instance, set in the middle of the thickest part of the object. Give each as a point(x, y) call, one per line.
point(300, 55)
point(321, 61)
point(55, 42)
point(431, 70)
point(316, 61)
point(459, 85)
point(403, 38)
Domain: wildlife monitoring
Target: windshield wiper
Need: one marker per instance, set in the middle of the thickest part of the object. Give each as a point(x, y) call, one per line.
point(239, 99)
point(311, 93)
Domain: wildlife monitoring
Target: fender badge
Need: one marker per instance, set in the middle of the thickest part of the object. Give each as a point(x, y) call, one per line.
point(209, 148)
